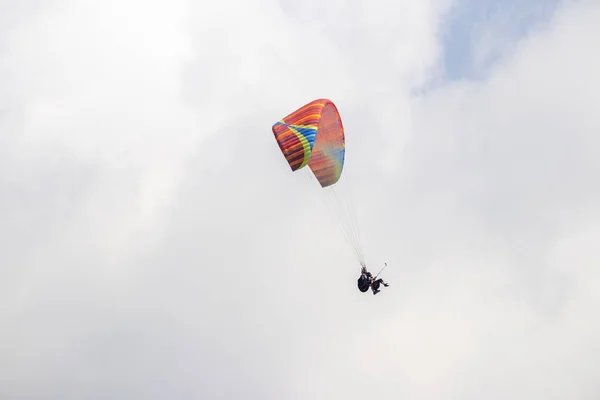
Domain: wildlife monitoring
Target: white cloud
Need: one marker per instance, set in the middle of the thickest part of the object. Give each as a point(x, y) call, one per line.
point(498, 175)
point(156, 244)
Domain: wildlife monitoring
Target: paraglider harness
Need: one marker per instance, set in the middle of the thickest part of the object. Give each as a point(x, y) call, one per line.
point(364, 282)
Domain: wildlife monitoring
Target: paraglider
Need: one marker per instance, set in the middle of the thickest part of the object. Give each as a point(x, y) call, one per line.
point(313, 136)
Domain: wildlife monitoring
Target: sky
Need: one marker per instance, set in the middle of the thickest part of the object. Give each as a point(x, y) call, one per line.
point(477, 33)
point(156, 245)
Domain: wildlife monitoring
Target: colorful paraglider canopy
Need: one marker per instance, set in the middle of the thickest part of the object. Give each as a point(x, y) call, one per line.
point(313, 135)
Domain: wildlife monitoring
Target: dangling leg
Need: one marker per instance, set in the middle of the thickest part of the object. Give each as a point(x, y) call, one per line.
point(375, 286)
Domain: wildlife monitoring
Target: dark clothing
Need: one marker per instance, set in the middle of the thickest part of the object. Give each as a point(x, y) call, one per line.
point(375, 284)
point(364, 283)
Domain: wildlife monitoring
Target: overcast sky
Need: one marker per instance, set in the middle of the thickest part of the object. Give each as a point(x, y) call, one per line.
point(155, 244)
